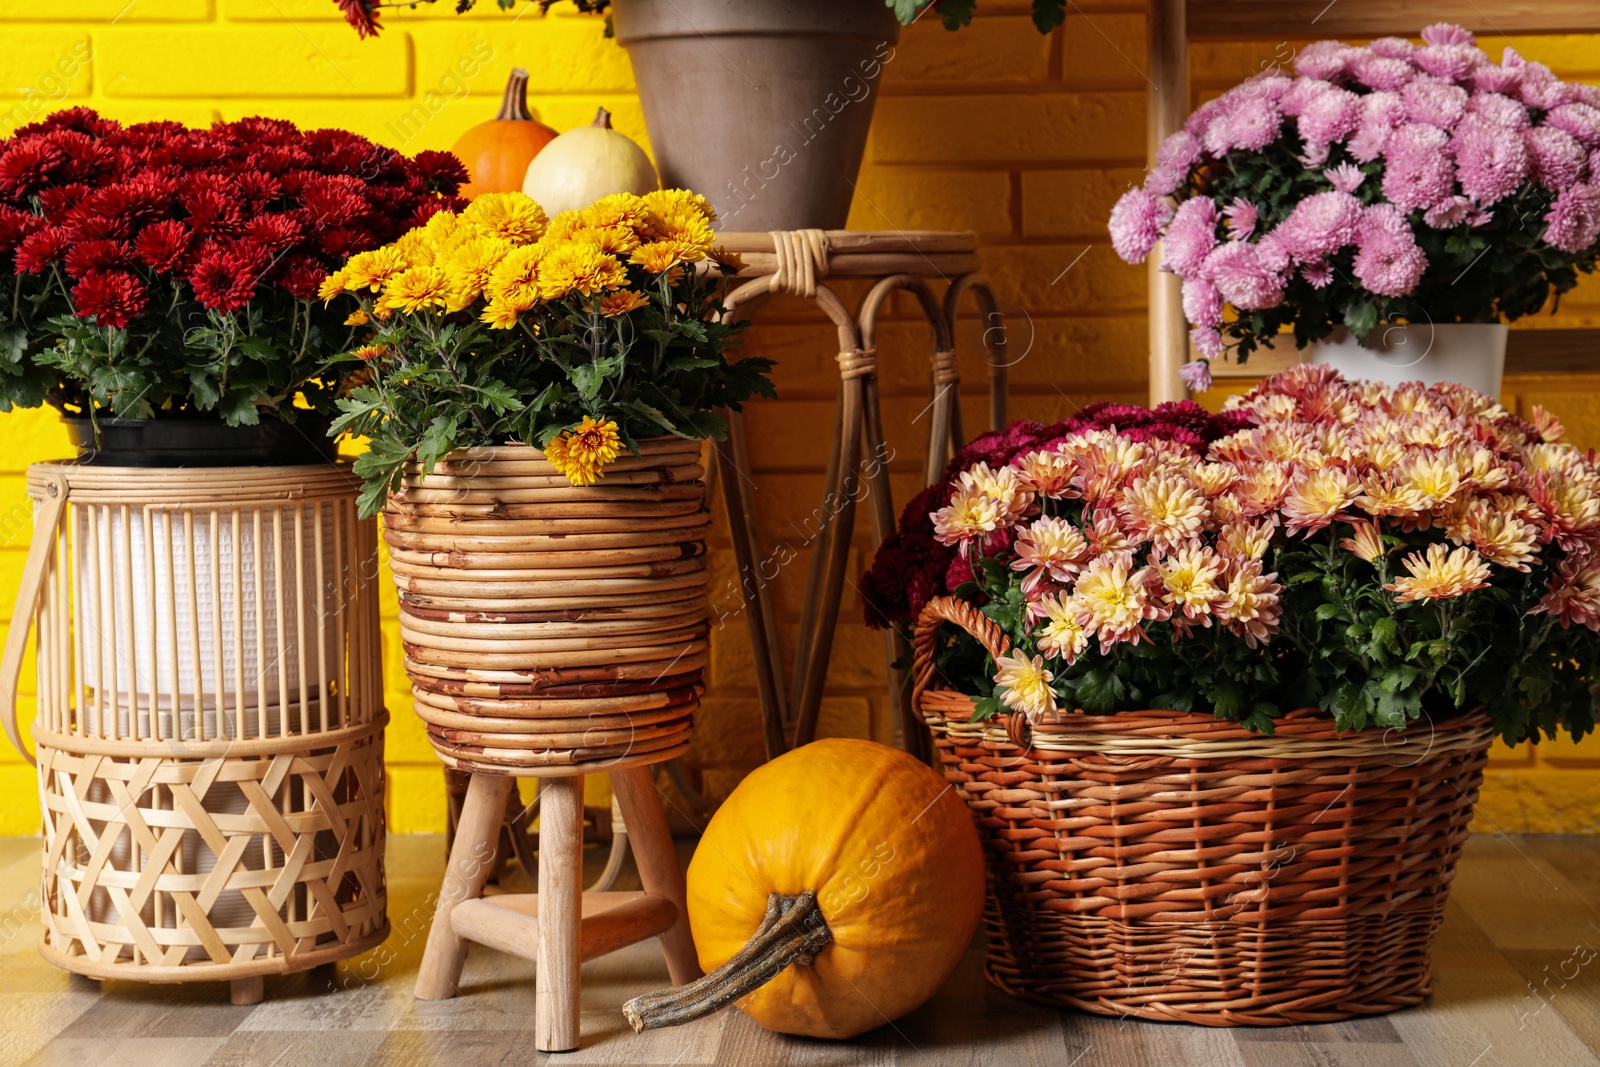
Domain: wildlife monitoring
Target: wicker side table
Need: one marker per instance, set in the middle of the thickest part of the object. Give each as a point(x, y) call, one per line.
point(798, 262)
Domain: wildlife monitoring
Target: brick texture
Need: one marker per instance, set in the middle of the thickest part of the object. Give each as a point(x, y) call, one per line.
point(1026, 140)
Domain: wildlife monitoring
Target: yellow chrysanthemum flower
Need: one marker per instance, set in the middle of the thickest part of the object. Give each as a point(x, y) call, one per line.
point(621, 302)
point(371, 352)
point(730, 262)
point(579, 269)
point(664, 202)
point(657, 257)
point(564, 225)
point(514, 283)
point(692, 233)
point(471, 263)
point(373, 269)
point(513, 216)
point(582, 454)
point(358, 318)
point(1441, 574)
point(618, 209)
point(613, 240)
point(332, 286)
point(439, 228)
point(416, 289)
point(499, 316)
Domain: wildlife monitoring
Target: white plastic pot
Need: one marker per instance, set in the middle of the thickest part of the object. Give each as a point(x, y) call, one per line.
point(1471, 354)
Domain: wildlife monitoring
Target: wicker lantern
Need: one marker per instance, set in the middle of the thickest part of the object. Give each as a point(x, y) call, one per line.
point(210, 720)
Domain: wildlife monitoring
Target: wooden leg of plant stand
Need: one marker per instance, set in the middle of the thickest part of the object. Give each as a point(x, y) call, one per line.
point(247, 990)
point(560, 913)
point(471, 861)
point(659, 868)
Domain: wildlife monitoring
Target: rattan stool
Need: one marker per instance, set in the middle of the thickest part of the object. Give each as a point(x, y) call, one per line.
point(560, 926)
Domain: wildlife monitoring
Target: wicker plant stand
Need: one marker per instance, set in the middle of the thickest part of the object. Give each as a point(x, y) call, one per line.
point(1173, 867)
point(799, 262)
point(551, 632)
point(210, 720)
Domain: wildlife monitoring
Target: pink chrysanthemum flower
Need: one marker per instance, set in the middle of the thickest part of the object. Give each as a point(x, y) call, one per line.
point(1208, 342)
point(1049, 548)
point(1300, 93)
point(1136, 222)
point(1241, 278)
point(1202, 304)
point(1196, 375)
point(1246, 122)
point(1346, 177)
point(1114, 601)
point(1489, 78)
point(1330, 117)
point(1317, 275)
point(1047, 474)
point(1320, 225)
point(1541, 88)
point(1580, 120)
point(1573, 221)
point(1389, 265)
point(1190, 236)
point(1166, 510)
point(1498, 109)
point(1450, 52)
point(1491, 160)
point(1364, 540)
point(1392, 48)
point(1379, 72)
point(1181, 151)
point(1242, 217)
point(1447, 33)
point(1418, 171)
point(1434, 103)
point(1323, 60)
point(1450, 212)
point(1555, 157)
point(1574, 596)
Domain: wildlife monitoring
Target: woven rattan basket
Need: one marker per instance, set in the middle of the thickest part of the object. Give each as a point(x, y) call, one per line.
point(551, 629)
point(1168, 866)
point(210, 720)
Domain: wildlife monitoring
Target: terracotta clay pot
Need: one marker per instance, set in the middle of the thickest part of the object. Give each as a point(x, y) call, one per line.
point(762, 106)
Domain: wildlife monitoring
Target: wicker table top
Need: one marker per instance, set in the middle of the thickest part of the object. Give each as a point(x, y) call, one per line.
point(862, 253)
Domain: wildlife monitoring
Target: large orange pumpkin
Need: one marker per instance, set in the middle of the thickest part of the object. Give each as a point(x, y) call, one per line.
point(497, 152)
point(846, 867)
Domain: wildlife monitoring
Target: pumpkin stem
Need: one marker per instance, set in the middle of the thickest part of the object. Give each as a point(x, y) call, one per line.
point(514, 105)
point(602, 119)
point(792, 931)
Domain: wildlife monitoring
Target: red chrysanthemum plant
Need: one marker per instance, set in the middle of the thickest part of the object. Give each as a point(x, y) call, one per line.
point(1382, 553)
point(158, 271)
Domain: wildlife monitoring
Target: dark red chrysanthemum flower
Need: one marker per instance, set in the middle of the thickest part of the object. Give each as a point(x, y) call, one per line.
point(301, 276)
point(141, 200)
point(363, 15)
point(58, 200)
point(163, 246)
point(222, 282)
point(41, 248)
point(28, 166)
point(280, 159)
point(111, 298)
point(94, 257)
point(258, 188)
point(345, 241)
point(212, 213)
point(443, 171)
point(16, 225)
point(258, 129)
point(333, 200)
point(343, 152)
point(274, 232)
point(82, 119)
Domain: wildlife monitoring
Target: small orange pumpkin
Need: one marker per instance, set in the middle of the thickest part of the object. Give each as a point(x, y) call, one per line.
point(497, 152)
point(834, 891)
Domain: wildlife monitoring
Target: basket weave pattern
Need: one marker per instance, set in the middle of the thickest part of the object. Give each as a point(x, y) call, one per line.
point(211, 775)
point(551, 629)
point(1168, 866)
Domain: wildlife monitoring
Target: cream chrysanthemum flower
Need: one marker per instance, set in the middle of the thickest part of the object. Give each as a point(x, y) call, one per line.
point(1500, 536)
point(970, 514)
point(1047, 474)
point(1049, 548)
point(1250, 604)
point(1365, 541)
point(1114, 601)
point(1245, 540)
point(1441, 574)
point(1166, 510)
point(1062, 636)
point(1317, 498)
point(1025, 684)
point(1189, 584)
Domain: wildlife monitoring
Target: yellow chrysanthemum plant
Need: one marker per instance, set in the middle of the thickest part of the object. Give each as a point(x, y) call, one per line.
point(580, 334)
point(1384, 554)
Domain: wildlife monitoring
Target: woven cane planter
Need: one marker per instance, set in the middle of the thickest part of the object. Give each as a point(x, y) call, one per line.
point(1173, 867)
point(551, 629)
point(210, 720)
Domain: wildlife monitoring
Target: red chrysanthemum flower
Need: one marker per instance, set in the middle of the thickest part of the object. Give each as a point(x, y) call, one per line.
point(274, 232)
point(28, 165)
point(16, 225)
point(363, 15)
point(443, 171)
point(334, 200)
point(258, 129)
point(345, 241)
point(343, 152)
point(223, 281)
point(211, 213)
point(163, 246)
point(41, 248)
point(257, 187)
point(301, 276)
point(111, 298)
point(93, 257)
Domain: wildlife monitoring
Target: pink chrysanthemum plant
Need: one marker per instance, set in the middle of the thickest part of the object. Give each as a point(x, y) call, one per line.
point(1382, 553)
point(1391, 182)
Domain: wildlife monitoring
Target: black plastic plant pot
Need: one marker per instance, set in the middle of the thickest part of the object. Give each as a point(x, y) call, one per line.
point(202, 443)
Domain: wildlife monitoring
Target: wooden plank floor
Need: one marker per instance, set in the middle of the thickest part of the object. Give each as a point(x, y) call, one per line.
point(1518, 982)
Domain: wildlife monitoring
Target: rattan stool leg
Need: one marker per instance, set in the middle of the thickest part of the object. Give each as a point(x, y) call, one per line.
point(471, 861)
point(659, 868)
point(556, 1005)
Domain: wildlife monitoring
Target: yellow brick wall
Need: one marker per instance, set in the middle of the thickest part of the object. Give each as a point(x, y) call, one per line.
point(1026, 140)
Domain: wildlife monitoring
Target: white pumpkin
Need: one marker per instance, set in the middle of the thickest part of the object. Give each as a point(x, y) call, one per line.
point(582, 165)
